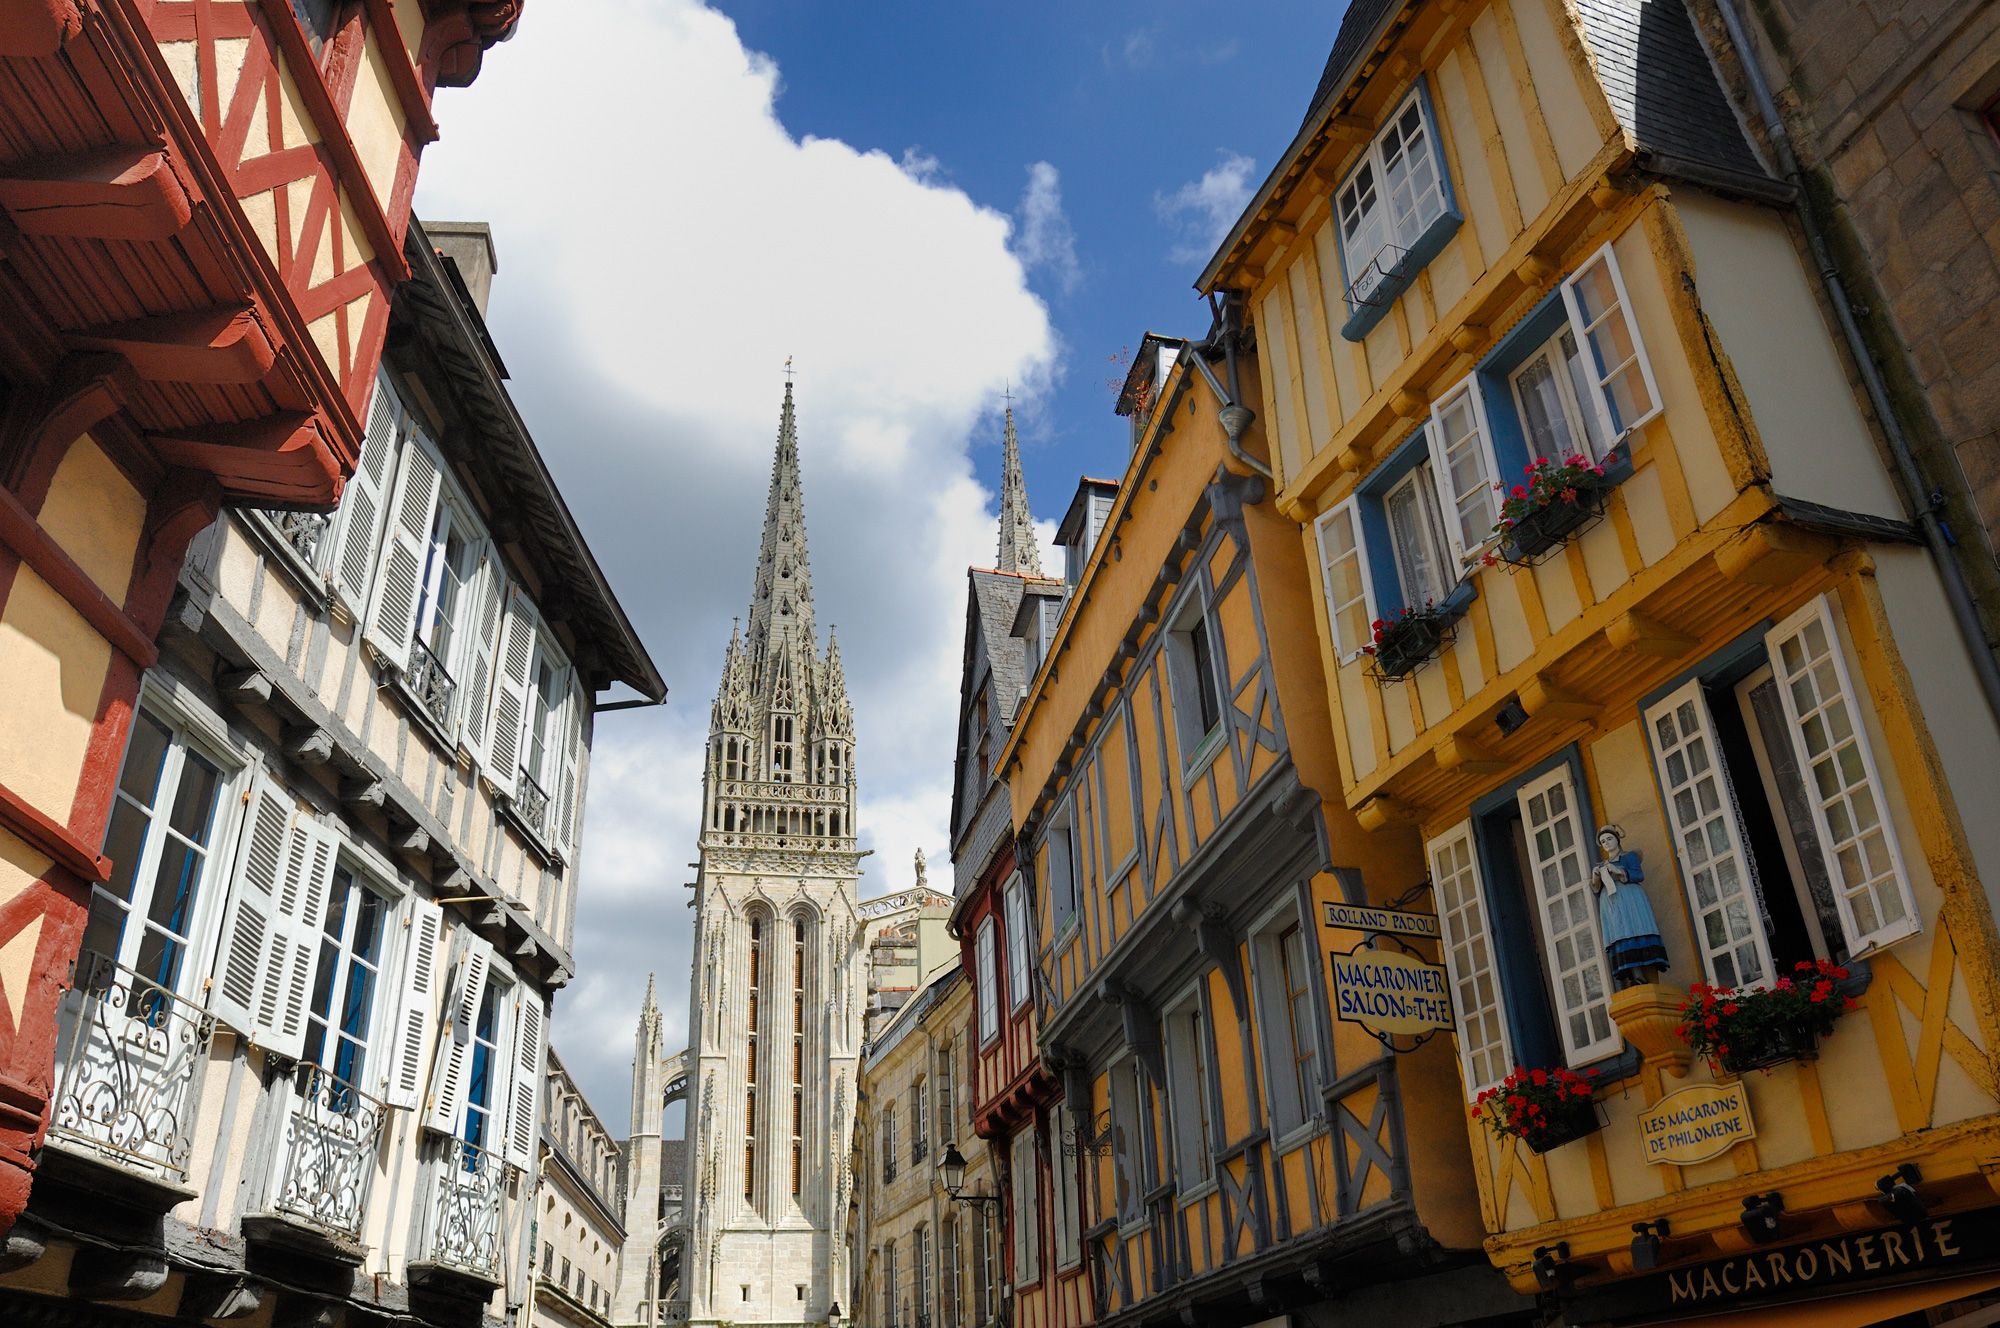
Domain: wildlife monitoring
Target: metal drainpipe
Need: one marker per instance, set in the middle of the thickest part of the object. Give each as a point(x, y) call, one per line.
point(1235, 416)
point(1963, 610)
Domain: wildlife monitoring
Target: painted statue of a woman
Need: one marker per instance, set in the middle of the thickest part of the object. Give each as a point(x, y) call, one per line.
point(1632, 942)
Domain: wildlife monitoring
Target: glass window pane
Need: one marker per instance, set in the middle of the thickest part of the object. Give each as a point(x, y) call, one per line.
point(194, 801)
point(145, 753)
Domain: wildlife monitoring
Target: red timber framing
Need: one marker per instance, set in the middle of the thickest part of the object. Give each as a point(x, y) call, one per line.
point(195, 267)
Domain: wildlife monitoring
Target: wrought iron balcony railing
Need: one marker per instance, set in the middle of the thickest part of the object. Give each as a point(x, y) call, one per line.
point(129, 1059)
point(331, 1142)
point(429, 682)
point(463, 1232)
point(304, 531)
point(531, 803)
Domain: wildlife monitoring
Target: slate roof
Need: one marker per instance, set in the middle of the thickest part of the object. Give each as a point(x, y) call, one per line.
point(990, 647)
point(1662, 85)
point(1356, 25)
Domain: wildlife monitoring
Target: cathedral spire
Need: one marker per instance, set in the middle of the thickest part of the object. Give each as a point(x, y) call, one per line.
point(1018, 546)
point(781, 607)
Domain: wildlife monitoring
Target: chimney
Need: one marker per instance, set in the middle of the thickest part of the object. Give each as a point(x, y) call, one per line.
point(469, 245)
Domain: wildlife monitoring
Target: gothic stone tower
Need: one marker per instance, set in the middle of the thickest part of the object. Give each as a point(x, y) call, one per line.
point(775, 1012)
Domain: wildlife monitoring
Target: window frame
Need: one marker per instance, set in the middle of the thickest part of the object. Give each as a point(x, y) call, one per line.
point(1189, 1058)
point(1459, 957)
point(1294, 1111)
point(987, 992)
point(1350, 508)
point(1196, 746)
point(1025, 1215)
point(1576, 1053)
point(379, 1041)
point(1059, 841)
point(1578, 416)
point(1573, 306)
point(202, 939)
point(1468, 389)
point(1020, 952)
point(1420, 482)
point(1419, 248)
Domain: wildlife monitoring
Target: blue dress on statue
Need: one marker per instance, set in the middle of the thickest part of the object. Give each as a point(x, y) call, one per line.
point(1625, 917)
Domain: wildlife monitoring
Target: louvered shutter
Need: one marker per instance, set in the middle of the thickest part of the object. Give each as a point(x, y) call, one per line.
point(301, 909)
point(530, 1027)
point(454, 1059)
point(510, 689)
point(569, 792)
point(1560, 864)
point(405, 1081)
point(250, 926)
point(361, 507)
point(392, 617)
point(484, 620)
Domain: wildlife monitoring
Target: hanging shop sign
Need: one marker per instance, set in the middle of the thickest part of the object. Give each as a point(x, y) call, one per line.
point(1697, 1123)
point(1359, 917)
point(1937, 1247)
point(1390, 993)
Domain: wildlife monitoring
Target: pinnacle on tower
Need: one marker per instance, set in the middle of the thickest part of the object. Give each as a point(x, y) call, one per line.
point(1019, 551)
point(781, 605)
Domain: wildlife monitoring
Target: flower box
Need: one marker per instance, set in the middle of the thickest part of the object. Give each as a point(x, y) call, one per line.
point(1754, 1030)
point(1544, 1109)
point(1555, 502)
point(1405, 642)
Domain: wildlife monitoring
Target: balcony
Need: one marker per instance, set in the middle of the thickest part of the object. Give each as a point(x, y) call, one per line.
point(129, 1062)
point(305, 532)
point(331, 1141)
point(531, 804)
point(767, 814)
point(430, 684)
point(673, 1311)
point(461, 1247)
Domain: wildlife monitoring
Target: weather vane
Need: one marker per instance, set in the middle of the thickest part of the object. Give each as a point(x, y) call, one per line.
point(788, 368)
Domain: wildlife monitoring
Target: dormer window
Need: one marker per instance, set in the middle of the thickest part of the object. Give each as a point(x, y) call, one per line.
point(1395, 213)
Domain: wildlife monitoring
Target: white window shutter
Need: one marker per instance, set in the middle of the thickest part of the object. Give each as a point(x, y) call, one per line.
point(1559, 863)
point(1719, 876)
point(251, 928)
point(484, 620)
point(413, 1020)
point(1485, 1050)
point(530, 1028)
point(1463, 469)
point(454, 1059)
point(510, 689)
point(392, 616)
point(361, 506)
point(1829, 732)
point(989, 998)
point(569, 792)
point(301, 909)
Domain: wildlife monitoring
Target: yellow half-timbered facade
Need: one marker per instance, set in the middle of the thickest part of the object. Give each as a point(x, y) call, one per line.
point(1714, 672)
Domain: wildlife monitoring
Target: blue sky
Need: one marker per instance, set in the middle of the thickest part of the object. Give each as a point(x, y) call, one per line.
point(1131, 103)
point(924, 205)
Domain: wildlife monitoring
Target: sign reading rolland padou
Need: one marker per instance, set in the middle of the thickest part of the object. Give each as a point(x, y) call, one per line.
point(1935, 1247)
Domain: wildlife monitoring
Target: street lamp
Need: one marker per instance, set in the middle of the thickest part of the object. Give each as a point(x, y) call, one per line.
point(951, 1171)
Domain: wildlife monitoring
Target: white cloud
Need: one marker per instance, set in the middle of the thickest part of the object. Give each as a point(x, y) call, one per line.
point(1044, 239)
point(1201, 212)
point(664, 245)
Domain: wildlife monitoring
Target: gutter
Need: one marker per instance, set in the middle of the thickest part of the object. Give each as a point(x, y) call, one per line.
point(1964, 612)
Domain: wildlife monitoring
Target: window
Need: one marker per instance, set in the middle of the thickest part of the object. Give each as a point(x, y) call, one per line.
point(1061, 843)
point(1343, 560)
point(798, 1053)
point(951, 1277)
point(1616, 366)
point(889, 1288)
point(1417, 537)
point(316, 17)
point(1128, 1144)
point(1843, 787)
point(548, 1259)
point(1191, 661)
point(920, 1117)
point(1019, 980)
point(545, 715)
point(945, 1133)
point(480, 1129)
point(1463, 467)
point(920, 1272)
point(1295, 957)
point(781, 748)
point(565, 1274)
point(1388, 203)
point(1559, 884)
point(448, 565)
point(1555, 394)
point(1187, 1051)
point(343, 999)
point(163, 826)
point(889, 1142)
point(753, 997)
point(1027, 1214)
point(989, 996)
point(1483, 1046)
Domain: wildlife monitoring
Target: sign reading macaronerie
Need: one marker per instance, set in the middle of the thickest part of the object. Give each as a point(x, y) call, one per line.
point(1699, 1122)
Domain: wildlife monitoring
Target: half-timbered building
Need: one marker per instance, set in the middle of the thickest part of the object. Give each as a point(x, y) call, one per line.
point(1695, 714)
point(300, 1054)
point(1230, 1151)
point(203, 208)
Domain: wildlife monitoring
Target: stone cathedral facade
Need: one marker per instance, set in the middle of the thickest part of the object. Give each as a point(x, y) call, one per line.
point(775, 1011)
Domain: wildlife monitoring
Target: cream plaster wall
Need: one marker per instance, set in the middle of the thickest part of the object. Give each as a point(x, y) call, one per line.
point(54, 664)
point(1754, 290)
point(96, 515)
point(1709, 486)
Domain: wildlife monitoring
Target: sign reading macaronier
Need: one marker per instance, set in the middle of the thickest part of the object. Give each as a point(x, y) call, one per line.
point(1388, 992)
point(1700, 1122)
